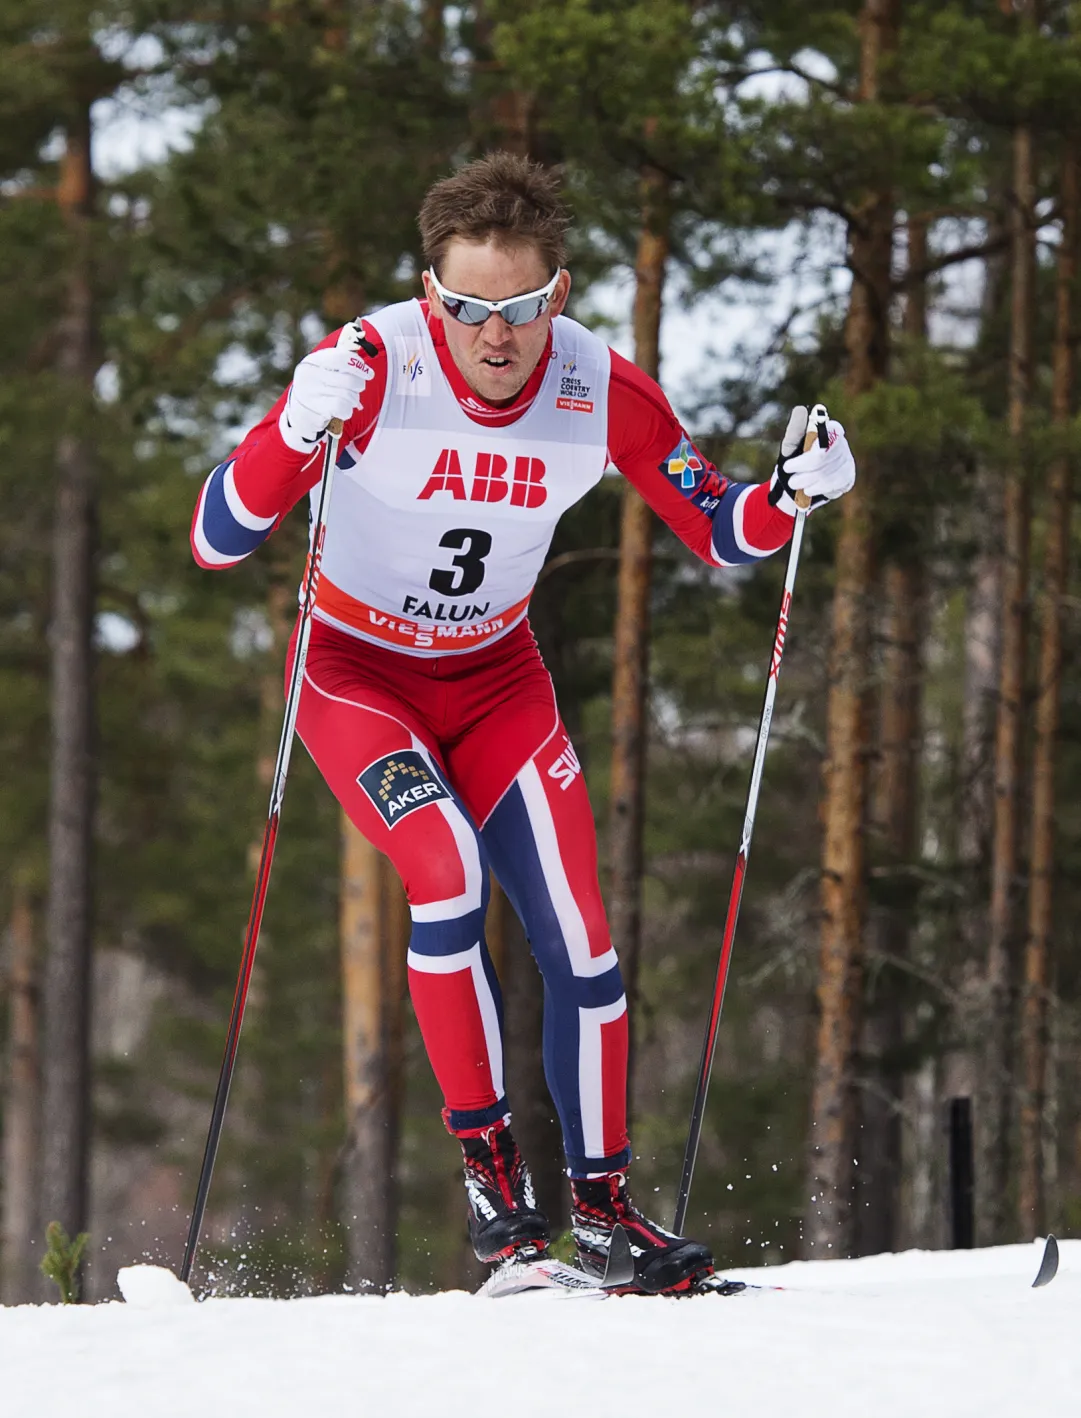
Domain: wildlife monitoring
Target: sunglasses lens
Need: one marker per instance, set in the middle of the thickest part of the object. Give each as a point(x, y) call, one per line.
point(523, 312)
point(467, 312)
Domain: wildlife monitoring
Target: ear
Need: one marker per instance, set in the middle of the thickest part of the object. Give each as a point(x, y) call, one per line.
point(435, 306)
point(561, 294)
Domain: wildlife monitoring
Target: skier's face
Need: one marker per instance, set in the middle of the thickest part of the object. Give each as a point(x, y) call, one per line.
point(496, 359)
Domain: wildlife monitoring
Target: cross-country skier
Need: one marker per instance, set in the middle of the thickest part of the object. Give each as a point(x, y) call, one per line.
point(473, 420)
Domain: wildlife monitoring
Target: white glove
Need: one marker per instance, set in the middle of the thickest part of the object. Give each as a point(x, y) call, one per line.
point(327, 384)
point(823, 473)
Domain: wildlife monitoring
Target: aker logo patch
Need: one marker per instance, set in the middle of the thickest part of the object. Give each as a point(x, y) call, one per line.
point(400, 783)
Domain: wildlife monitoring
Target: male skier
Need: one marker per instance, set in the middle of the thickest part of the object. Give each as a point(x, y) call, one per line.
point(473, 420)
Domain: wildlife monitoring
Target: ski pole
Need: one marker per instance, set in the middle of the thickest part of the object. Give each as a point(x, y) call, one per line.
point(709, 1044)
point(350, 337)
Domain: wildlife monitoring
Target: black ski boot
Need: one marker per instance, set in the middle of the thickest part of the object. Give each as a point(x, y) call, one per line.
point(663, 1263)
point(503, 1216)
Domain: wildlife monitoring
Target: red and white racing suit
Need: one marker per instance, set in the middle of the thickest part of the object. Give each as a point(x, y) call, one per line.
point(426, 704)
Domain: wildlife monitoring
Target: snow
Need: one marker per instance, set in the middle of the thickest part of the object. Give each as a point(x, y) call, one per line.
point(152, 1287)
point(959, 1334)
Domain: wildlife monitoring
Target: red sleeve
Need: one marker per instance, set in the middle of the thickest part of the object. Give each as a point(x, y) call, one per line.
point(270, 477)
point(650, 448)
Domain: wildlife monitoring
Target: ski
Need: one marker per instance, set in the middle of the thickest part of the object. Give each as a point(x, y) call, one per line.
point(546, 1273)
point(515, 1277)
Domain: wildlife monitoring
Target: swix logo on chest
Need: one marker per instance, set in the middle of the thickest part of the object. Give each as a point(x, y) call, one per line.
point(566, 767)
point(491, 479)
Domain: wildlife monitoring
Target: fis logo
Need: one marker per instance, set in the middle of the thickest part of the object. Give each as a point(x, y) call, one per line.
point(566, 767)
point(414, 378)
point(399, 784)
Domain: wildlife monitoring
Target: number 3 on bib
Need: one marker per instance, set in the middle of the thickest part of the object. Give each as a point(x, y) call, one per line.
point(467, 569)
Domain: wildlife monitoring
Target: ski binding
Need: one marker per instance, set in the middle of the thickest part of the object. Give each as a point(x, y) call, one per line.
point(546, 1273)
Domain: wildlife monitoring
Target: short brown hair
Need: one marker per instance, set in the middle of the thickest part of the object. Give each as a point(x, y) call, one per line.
point(502, 198)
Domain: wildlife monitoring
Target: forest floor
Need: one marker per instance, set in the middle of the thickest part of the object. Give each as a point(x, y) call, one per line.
point(916, 1335)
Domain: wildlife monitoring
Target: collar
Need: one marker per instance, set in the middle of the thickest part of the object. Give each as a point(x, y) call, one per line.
point(471, 403)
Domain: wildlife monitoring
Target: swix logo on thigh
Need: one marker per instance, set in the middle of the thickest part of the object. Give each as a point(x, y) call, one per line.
point(400, 783)
point(489, 481)
point(566, 767)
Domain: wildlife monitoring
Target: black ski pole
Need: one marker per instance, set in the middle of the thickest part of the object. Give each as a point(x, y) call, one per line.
point(709, 1044)
point(351, 336)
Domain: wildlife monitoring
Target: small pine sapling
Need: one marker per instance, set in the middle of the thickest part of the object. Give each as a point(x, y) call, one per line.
point(62, 1259)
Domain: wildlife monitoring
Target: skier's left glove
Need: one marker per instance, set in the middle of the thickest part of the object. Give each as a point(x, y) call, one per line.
point(823, 473)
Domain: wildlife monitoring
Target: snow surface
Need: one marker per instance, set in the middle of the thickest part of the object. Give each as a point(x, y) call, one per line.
point(954, 1333)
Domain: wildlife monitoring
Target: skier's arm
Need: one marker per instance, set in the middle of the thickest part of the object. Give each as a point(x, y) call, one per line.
point(724, 523)
point(248, 495)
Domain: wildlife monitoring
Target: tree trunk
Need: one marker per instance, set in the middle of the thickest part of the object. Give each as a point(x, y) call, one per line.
point(973, 809)
point(66, 1083)
point(1033, 1040)
point(828, 1226)
point(631, 652)
point(993, 1172)
point(895, 818)
point(372, 977)
point(21, 1116)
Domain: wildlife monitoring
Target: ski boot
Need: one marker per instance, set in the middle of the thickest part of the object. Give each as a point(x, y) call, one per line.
point(663, 1263)
point(503, 1218)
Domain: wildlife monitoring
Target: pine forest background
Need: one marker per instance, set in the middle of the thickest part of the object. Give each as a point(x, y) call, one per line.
point(872, 203)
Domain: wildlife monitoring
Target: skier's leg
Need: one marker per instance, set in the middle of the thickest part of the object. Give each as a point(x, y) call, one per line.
point(538, 828)
point(542, 843)
point(388, 777)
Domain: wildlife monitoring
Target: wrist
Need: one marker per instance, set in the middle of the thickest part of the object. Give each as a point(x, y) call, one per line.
point(780, 499)
point(294, 437)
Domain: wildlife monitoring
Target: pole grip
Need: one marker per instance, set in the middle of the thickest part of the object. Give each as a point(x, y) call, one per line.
point(817, 432)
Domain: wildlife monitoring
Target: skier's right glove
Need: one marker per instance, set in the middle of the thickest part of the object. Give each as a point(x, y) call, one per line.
point(327, 384)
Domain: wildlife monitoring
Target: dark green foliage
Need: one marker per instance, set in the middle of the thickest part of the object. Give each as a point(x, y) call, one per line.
point(62, 1259)
point(315, 132)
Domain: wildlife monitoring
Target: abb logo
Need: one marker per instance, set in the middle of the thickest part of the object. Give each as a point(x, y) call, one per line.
point(782, 631)
point(489, 481)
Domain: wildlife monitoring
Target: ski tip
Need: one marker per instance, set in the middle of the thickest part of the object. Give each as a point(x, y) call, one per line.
point(619, 1269)
point(1048, 1265)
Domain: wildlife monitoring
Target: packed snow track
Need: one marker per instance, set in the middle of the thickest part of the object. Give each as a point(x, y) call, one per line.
point(961, 1334)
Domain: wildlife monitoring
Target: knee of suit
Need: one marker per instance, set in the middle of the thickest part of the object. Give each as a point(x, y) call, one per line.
point(580, 991)
point(449, 937)
point(445, 874)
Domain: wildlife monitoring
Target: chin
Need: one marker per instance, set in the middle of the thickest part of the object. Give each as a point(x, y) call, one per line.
point(495, 390)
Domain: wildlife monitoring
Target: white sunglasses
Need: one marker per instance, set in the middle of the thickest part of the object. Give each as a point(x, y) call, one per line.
point(515, 310)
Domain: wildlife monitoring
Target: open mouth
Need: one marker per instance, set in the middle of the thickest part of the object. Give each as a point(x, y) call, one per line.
point(496, 361)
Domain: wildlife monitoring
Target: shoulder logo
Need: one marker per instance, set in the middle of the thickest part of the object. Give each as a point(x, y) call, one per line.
point(684, 463)
point(577, 378)
point(695, 478)
point(413, 376)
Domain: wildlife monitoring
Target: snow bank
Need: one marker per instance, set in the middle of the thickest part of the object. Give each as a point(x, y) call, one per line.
point(957, 1334)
